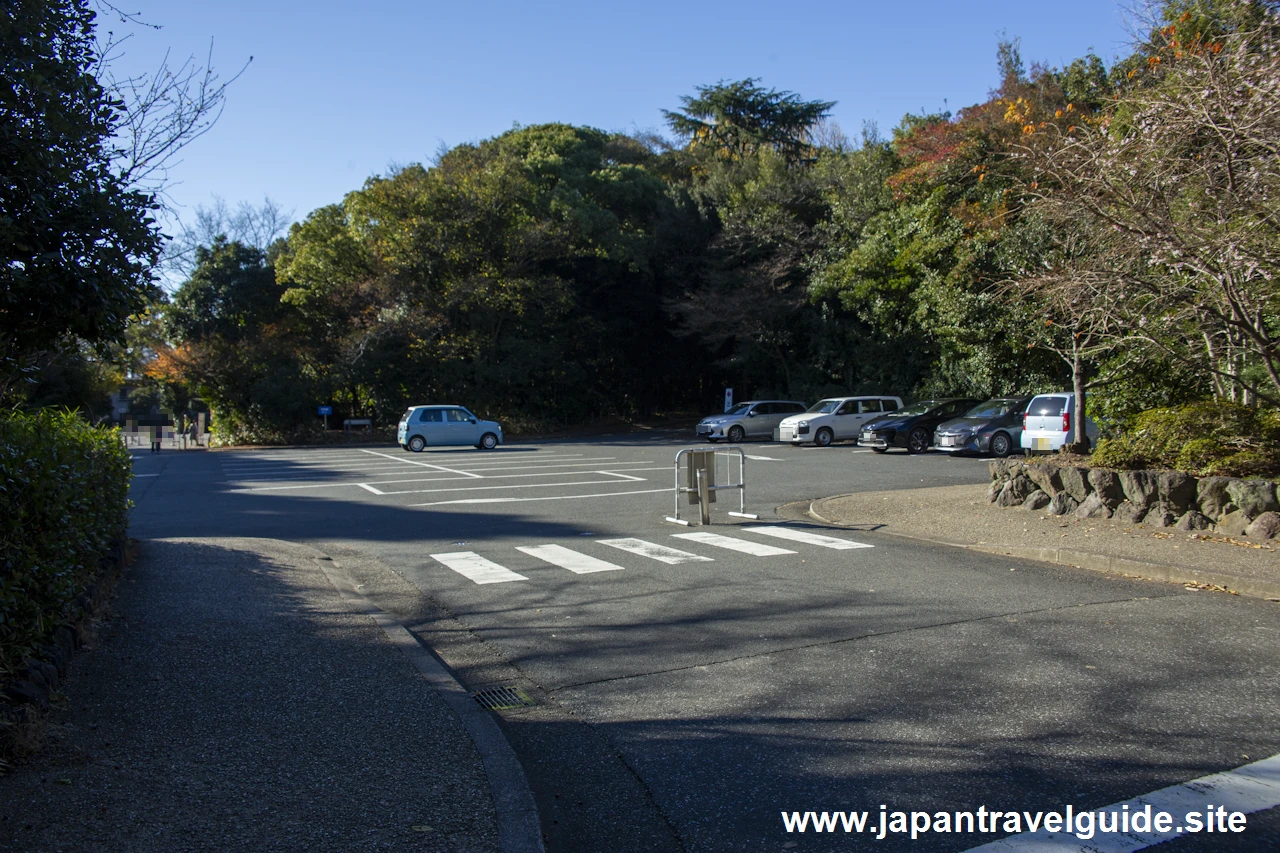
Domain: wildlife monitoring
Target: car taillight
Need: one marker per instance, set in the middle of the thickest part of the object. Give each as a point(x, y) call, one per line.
point(1024, 420)
point(1066, 422)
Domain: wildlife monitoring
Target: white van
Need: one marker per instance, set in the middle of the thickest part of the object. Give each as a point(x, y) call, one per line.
point(1049, 423)
point(835, 419)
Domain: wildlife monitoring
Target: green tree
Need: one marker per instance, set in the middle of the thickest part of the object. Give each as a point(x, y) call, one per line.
point(76, 242)
point(736, 119)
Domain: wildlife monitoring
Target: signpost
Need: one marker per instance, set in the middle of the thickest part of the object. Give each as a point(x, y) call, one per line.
point(326, 411)
point(728, 399)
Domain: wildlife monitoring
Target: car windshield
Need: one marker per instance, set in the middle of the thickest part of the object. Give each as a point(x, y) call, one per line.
point(917, 408)
point(993, 409)
point(826, 407)
point(740, 409)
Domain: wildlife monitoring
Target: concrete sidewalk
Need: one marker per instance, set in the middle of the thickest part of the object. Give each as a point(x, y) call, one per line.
point(961, 516)
point(238, 701)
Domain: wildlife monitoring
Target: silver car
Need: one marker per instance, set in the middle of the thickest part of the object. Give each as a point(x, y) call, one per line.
point(752, 419)
point(427, 426)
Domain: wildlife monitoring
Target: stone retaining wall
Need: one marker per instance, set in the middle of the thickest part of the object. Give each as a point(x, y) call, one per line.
point(1225, 505)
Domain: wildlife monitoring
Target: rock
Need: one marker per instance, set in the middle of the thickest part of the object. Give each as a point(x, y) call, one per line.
point(1106, 485)
point(1036, 500)
point(26, 693)
point(993, 491)
point(1194, 520)
point(1015, 491)
point(1075, 482)
point(1062, 504)
point(1139, 488)
point(66, 639)
point(1176, 489)
point(1212, 497)
point(1093, 507)
point(1005, 469)
point(1233, 524)
point(1254, 497)
point(1127, 513)
point(1265, 526)
point(1046, 477)
point(55, 655)
point(1160, 515)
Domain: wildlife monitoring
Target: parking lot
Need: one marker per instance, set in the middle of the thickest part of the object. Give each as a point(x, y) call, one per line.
point(755, 665)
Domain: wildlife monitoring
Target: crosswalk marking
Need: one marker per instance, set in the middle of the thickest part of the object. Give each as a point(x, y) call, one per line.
point(653, 551)
point(807, 537)
point(579, 564)
point(475, 568)
point(756, 549)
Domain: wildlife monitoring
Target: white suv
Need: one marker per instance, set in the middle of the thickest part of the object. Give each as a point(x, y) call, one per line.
point(1050, 423)
point(835, 419)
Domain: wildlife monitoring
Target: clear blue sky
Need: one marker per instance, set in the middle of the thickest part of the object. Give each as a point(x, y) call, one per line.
point(337, 92)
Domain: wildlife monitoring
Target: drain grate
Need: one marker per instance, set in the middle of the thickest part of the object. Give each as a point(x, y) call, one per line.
point(501, 698)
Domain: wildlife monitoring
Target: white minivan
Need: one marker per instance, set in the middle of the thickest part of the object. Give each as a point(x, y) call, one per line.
point(1049, 423)
point(835, 419)
point(434, 426)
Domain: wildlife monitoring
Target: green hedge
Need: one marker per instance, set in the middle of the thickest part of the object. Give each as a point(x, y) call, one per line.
point(1205, 439)
point(63, 503)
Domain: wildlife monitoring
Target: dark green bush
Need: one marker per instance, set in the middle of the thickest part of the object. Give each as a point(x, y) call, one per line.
point(1204, 439)
point(63, 503)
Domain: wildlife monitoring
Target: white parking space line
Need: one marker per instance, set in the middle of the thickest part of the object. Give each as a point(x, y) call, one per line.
point(426, 465)
point(661, 553)
point(1248, 789)
point(508, 487)
point(369, 488)
point(623, 476)
point(807, 537)
point(550, 498)
point(756, 549)
point(477, 569)
point(565, 558)
point(763, 458)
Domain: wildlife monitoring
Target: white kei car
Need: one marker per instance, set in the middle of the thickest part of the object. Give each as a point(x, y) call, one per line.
point(434, 426)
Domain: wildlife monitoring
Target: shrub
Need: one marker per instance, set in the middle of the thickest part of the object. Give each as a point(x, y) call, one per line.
point(1204, 439)
point(63, 503)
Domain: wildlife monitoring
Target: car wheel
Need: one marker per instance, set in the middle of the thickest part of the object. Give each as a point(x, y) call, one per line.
point(417, 444)
point(488, 441)
point(918, 440)
point(736, 434)
point(1001, 445)
point(823, 437)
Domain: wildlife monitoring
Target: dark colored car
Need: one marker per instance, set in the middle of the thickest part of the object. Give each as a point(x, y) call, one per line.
point(912, 427)
point(993, 427)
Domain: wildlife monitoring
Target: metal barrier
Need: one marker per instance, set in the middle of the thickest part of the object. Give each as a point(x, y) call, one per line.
point(702, 483)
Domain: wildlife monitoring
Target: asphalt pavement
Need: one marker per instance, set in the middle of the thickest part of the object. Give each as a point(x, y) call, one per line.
point(679, 691)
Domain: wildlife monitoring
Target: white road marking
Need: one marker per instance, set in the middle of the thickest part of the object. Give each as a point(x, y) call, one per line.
point(477, 569)
point(623, 476)
point(762, 458)
point(661, 553)
point(756, 549)
point(369, 488)
point(807, 537)
point(1248, 789)
point(493, 488)
point(551, 498)
point(579, 564)
point(426, 465)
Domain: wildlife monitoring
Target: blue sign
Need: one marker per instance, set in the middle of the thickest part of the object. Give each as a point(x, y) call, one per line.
point(324, 410)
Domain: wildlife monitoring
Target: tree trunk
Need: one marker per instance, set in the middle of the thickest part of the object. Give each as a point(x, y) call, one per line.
point(1078, 379)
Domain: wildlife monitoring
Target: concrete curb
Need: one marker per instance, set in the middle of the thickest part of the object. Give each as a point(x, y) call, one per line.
point(1254, 587)
point(519, 827)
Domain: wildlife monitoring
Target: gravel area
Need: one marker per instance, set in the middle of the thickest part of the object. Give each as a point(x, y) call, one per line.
point(234, 703)
point(961, 515)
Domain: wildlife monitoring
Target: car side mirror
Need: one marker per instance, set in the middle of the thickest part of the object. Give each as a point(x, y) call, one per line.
point(751, 414)
point(472, 420)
